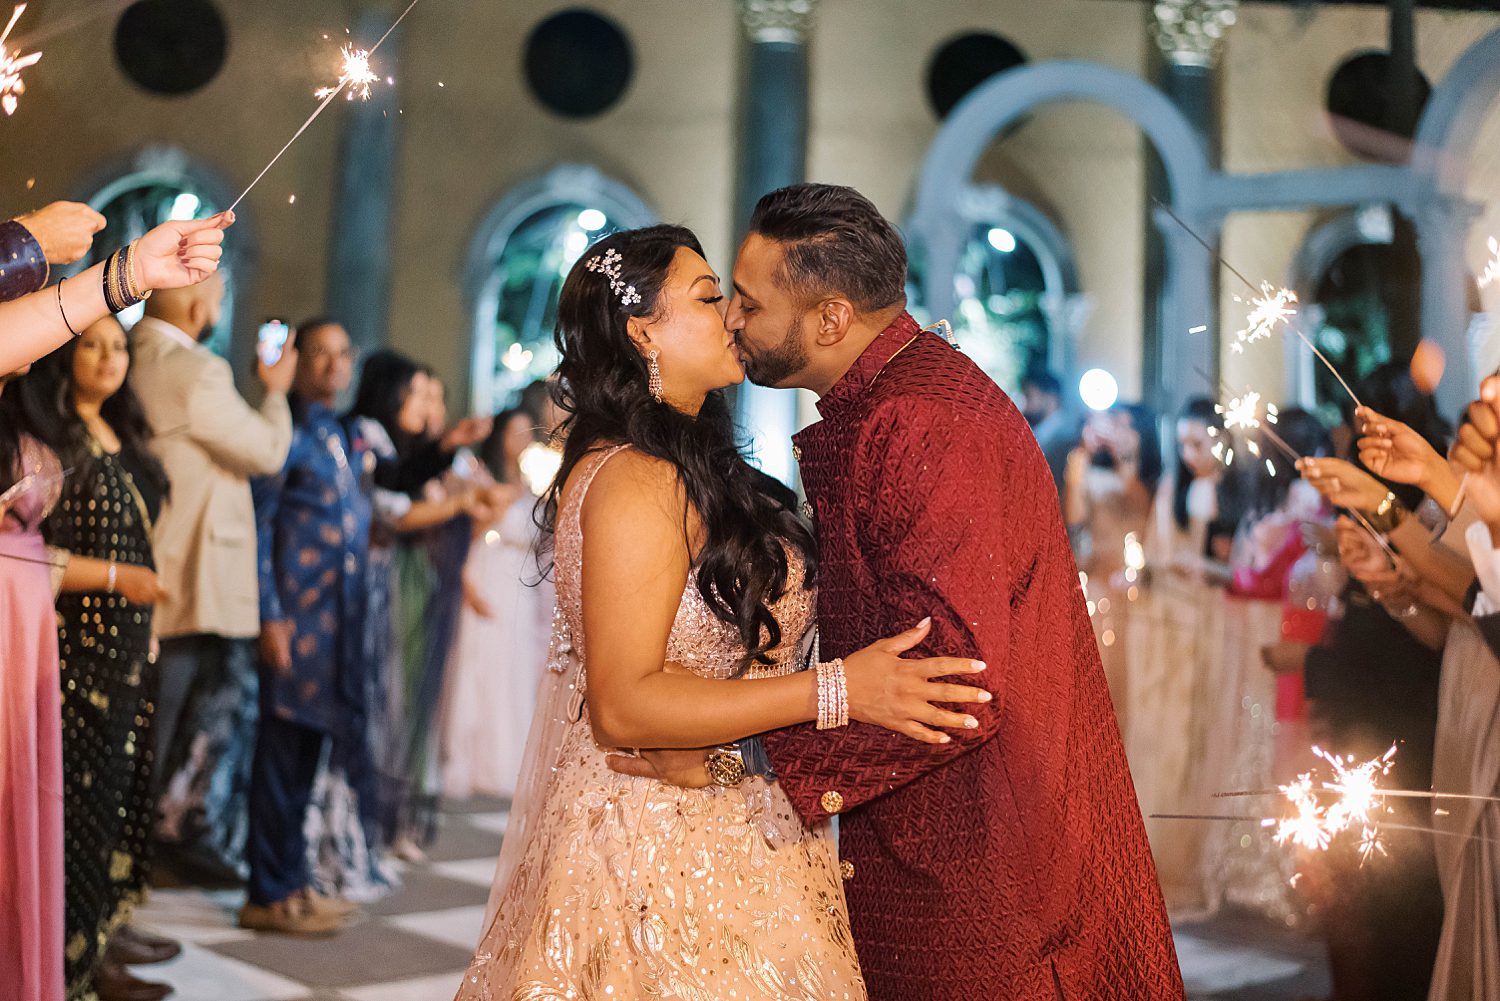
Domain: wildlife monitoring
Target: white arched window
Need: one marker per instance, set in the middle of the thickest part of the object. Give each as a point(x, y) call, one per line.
point(1015, 296)
point(159, 184)
point(517, 263)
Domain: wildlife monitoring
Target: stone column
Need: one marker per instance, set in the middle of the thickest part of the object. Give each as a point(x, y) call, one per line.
point(1189, 36)
point(359, 257)
point(1447, 313)
point(772, 154)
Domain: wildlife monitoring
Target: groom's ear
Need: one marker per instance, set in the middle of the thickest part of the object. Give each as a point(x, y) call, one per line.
point(835, 317)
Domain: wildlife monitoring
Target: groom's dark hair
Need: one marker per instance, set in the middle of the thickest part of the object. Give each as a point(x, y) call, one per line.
point(836, 242)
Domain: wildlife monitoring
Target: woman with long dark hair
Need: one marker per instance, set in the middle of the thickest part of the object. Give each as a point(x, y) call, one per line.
point(1253, 724)
point(1174, 650)
point(1107, 488)
point(78, 403)
point(684, 592)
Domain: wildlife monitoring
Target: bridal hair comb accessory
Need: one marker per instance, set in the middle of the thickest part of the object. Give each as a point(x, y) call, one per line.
point(608, 265)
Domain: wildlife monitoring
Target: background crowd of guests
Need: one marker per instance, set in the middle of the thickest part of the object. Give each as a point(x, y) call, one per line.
point(1324, 586)
point(265, 638)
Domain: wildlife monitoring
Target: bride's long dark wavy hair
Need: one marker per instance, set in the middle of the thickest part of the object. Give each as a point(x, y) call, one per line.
point(601, 385)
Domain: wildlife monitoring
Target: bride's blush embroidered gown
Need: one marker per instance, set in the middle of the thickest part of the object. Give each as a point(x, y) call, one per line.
point(617, 887)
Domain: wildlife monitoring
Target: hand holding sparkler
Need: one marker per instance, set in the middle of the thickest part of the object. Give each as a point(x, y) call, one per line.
point(1478, 454)
point(1368, 563)
point(1476, 442)
point(65, 230)
point(1343, 483)
point(181, 253)
point(173, 255)
point(1393, 451)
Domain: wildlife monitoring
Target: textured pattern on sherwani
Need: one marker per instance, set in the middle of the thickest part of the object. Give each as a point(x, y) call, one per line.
point(1013, 862)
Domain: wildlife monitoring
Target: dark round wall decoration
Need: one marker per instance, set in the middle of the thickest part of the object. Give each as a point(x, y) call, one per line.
point(1367, 113)
point(578, 63)
point(171, 47)
point(965, 62)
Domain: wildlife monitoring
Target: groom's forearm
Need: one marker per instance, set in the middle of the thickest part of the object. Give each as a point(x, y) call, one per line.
point(827, 772)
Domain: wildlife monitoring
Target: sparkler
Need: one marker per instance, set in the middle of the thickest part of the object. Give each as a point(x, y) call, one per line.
point(1243, 412)
point(1268, 310)
point(356, 71)
point(355, 79)
point(12, 62)
point(1269, 306)
point(1312, 825)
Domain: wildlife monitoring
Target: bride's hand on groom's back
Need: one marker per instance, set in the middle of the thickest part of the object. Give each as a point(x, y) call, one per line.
point(902, 695)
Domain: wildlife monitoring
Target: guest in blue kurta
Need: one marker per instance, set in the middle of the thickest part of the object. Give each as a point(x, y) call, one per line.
point(313, 527)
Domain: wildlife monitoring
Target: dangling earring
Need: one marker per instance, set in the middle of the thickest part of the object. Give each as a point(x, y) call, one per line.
point(653, 371)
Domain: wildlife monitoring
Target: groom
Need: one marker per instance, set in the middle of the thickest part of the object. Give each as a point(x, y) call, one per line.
point(1010, 862)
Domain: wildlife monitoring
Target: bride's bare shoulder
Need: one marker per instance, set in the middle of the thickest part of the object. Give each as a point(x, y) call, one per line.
point(633, 484)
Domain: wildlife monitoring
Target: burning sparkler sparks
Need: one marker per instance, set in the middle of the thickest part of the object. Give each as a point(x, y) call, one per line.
point(12, 62)
point(1314, 827)
point(1491, 272)
point(356, 71)
point(539, 466)
point(1242, 412)
point(1270, 309)
point(355, 80)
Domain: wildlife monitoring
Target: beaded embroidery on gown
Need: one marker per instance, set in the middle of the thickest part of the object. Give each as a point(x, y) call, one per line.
point(611, 886)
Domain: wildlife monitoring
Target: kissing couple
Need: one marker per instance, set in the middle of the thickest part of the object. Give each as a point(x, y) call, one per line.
point(725, 678)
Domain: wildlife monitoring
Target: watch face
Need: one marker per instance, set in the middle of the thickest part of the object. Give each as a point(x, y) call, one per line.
point(726, 769)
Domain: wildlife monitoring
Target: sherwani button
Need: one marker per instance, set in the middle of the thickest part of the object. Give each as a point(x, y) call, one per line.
point(846, 870)
point(832, 802)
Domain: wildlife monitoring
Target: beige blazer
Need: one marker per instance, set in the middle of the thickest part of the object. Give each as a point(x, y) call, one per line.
point(211, 442)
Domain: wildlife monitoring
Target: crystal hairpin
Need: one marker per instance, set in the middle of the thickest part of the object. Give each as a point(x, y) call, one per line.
point(609, 266)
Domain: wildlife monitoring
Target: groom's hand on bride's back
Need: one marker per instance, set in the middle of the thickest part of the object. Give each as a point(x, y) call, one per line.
point(686, 768)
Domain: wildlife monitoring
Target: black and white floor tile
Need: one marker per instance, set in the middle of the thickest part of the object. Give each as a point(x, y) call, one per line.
point(415, 944)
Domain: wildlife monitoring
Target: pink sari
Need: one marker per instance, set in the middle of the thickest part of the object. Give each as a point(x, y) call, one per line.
point(31, 798)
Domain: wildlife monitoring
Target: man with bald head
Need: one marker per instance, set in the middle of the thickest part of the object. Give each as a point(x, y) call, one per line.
point(211, 443)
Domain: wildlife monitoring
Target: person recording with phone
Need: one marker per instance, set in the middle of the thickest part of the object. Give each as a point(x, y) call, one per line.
point(211, 442)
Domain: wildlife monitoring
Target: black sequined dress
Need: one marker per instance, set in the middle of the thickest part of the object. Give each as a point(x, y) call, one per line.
point(109, 686)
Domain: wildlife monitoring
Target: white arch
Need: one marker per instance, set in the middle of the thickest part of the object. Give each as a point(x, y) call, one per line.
point(568, 183)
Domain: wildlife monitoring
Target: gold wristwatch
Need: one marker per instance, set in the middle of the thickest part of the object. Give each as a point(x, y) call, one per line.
point(726, 765)
point(1389, 513)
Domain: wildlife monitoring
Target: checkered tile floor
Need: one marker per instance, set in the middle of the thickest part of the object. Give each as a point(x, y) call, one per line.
point(415, 944)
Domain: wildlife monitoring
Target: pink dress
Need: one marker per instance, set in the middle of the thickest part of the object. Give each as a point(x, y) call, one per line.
point(611, 887)
point(31, 795)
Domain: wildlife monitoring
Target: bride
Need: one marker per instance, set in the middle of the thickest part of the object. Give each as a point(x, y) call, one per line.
point(684, 594)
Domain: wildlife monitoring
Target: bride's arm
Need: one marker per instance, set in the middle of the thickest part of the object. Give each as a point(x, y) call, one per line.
point(636, 561)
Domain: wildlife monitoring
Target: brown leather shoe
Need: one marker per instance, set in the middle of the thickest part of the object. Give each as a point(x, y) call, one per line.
point(319, 904)
point(129, 946)
point(112, 982)
point(292, 916)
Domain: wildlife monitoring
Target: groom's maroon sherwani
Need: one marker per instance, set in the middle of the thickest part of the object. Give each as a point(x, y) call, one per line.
point(1012, 863)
